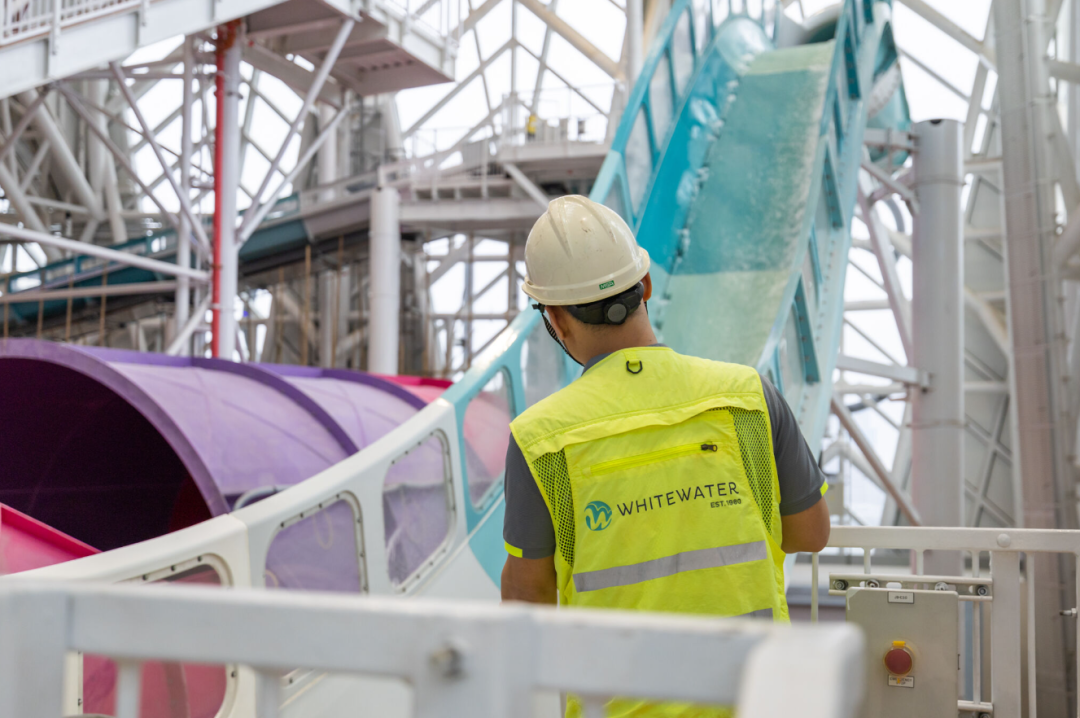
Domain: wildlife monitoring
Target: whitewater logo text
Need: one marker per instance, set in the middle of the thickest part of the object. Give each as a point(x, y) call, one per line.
point(722, 494)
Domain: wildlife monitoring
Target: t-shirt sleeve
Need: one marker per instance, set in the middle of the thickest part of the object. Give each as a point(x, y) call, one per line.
point(802, 483)
point(527, 528)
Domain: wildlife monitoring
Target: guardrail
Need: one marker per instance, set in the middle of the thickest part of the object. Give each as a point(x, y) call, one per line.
point(27, 19)
point(1007, 592)
point(457, 659)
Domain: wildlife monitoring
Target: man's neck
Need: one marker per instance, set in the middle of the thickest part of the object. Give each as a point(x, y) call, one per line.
point(635, 336)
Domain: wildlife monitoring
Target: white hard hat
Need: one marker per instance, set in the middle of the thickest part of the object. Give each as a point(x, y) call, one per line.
point(579, 251)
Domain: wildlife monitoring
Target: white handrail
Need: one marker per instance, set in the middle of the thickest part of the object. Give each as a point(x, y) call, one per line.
point(460, 659)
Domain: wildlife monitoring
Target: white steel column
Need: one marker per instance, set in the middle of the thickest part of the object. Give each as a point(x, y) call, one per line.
point(384, 268)
point(1041, 421)
point(230, 179)
point(328, 154)
point(635, 43)
point(183, 236)
point(937, 469)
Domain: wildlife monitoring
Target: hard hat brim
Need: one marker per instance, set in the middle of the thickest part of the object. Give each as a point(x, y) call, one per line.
point(585, 292)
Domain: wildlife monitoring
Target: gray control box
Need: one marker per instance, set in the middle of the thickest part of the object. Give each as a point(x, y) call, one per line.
point(928, 624)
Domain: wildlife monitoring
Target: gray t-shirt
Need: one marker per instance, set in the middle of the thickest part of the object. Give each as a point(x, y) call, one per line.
point(527, 526)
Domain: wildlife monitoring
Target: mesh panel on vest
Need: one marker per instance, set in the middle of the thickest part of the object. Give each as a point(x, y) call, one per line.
point(756, 449)
point(554, 477)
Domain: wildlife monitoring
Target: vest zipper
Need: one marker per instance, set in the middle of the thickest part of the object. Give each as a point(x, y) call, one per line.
point(651, 458)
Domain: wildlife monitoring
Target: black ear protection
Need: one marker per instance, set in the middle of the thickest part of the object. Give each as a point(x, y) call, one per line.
point(612, 310)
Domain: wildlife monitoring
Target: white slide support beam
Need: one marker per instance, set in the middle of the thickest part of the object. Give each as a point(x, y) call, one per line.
point(148, 132)
point(93, 250)
point(183, 335)
point(880, 472)
point(895, 372)
point(24, 121)
point(881, 241)
point(66, 164)
point(384, 281)
point(327, 155)
point(248, 228)
point(526, 184)
point(309, 101)
point(937, 470)
point(19, 201)
point(950, 28)
point(183, 247)
point(76, 105)
point(576, 39)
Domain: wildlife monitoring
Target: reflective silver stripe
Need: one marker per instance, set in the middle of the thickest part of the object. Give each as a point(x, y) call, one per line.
point(760, 613)
point(670, 565)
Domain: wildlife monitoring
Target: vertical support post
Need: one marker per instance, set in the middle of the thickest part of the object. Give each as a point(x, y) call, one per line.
point(384, 274)
point(104, 304)
point(327, 316)
point(341, 296)
point(1041, 423)
point(279, 315)
point(513, 69)
point(937, 479)
point(328, 154)
point(635, 43)
point(226, 181)
point(67, 319)
point(1005, 628)
point(470, 288)
point(183, 242)
point(305, 311)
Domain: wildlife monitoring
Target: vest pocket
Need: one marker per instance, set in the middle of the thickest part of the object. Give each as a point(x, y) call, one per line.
point(652, 457)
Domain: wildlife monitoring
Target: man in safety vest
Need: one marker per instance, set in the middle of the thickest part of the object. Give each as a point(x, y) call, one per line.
point(655, 481)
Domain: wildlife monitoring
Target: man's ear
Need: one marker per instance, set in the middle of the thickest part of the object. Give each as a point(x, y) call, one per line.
point(557, 318)
point(647, 281)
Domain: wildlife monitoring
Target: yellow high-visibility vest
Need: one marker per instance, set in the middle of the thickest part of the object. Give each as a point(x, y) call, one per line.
point(658, 472)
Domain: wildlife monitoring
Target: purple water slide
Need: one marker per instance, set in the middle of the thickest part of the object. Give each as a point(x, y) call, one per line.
point(115, 446)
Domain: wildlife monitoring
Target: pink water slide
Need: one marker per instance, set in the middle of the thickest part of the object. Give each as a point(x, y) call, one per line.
point(26, 543)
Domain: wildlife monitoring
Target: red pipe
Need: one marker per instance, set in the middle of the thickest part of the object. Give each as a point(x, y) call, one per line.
point(226, 36)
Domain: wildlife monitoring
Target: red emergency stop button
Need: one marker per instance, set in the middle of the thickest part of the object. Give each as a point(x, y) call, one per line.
point(898, 659)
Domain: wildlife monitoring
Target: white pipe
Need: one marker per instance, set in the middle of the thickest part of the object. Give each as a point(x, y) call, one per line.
point(384, 269)
point(66, 164)
point(230, 178)
point(328, 154)
point(183, 245)
point(884, 477)
point(526, 184)
point(19, 201)
point(586, 48)
point(937, 470)
point(635, 31)
point(94, 250)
